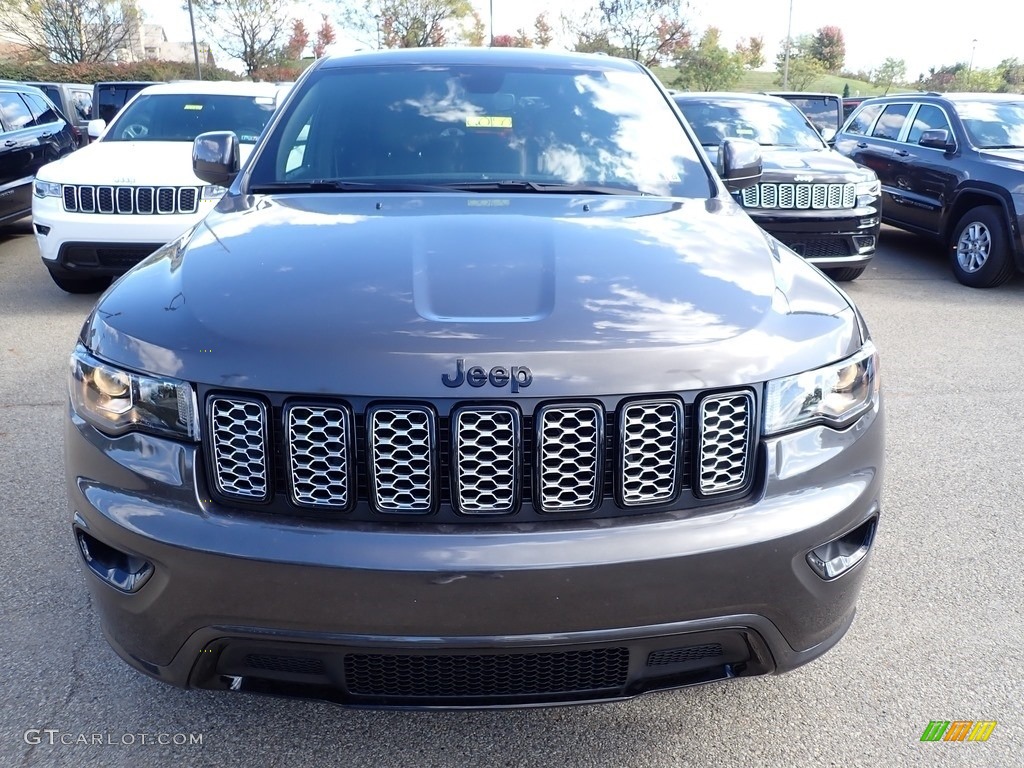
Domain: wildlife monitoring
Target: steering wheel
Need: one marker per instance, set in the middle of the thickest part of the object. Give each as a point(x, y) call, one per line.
point(134, 131)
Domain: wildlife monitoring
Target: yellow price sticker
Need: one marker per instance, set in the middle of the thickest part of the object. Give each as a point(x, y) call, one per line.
point(196, 107)
point(485, 121)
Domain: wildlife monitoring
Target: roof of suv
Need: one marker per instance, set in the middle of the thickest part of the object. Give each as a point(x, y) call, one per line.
point(952, 96)
point(462, 55)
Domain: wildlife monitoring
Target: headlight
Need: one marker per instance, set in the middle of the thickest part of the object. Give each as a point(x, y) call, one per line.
point(117, 401)
point(871, 188)
point(213, 192)
point(835, 395)
point(46, 188)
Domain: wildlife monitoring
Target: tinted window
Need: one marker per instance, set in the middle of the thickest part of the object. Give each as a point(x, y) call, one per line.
point(864, 119)
point(42, 110)
point(15, 111)
point(182, 117)
point(81, 101)
point(823, 112)
point(929, 117)
point(113, 97)
point(891, 122)
point(441, 123)
point(993, 125)
point(767, 123)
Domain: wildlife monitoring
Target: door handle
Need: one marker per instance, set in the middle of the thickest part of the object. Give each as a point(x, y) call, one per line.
point(862, 145)
point(902, 153)
point(10, 143)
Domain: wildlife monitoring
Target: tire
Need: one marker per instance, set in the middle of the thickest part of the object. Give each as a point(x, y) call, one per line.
point(980, 248)
point(81, 284)
point(844, 274)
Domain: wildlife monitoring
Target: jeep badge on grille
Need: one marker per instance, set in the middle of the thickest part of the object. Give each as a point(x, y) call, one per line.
point(518, 376)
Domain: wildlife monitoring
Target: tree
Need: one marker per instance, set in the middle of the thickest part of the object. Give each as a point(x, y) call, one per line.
point(503, 41)
point(649, 31)
point(325, 36)
point(751, 52)
point(804, 69)
point(542, 33)
point(892, 71)
point(70, 31)
point(1012, 73)
point(846, 90)
point(709, 66)
point(411, 23)
point(828, 47)
point(249, 30)
point(476, 33)
point(523, 39)
point(297, 43)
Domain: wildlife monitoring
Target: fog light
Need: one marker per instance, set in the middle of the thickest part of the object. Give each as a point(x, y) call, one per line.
point(832, 560)
point(864, 242)
point(118, 569)
point(42, 229)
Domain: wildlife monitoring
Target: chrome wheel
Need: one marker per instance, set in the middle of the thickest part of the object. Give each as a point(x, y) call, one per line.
point(973, 247)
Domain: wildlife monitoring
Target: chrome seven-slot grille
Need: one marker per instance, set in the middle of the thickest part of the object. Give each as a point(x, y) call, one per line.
point(815, 196)
point(145, 200)
point(482, 459)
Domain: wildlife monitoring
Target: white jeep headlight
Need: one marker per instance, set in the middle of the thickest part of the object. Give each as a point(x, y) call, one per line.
point(46, 188)
point(836, 395)
point(871, 188)
point(212, 192)
point(116, 401)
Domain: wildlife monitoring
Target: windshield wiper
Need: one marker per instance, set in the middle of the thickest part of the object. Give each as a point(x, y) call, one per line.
point(1004, 146)
point(521, 185)
point(340, 185)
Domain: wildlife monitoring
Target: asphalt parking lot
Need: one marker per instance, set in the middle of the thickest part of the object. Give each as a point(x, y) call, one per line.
point(938, 634)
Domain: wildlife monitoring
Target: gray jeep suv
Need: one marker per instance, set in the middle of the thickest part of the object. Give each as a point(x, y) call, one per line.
point(476, 389)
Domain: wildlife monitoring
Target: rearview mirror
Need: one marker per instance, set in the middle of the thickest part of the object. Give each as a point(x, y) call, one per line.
point(739, 163)
point(215, 157)
point(937, 138)
point(95, 128)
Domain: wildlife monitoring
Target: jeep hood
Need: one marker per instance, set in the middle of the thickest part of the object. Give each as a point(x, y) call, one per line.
point(129, 163)
point(356, 294)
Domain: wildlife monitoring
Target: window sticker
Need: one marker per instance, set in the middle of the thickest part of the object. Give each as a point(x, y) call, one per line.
point(195, 107)
point(488, 121)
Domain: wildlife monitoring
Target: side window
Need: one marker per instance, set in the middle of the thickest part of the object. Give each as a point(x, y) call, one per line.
point(864, 119)
point(82, 103)
point(41, 108)
point(14, 110)
point(891, 122)
point(929, 117)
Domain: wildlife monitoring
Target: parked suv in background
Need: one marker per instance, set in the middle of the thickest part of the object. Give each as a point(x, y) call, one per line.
point(824, 110)
point(114, 202)
point(32, 134)
point(952, 168)
point(475, 389)
point(74, 100)
point(109, 97)
point(814, 200)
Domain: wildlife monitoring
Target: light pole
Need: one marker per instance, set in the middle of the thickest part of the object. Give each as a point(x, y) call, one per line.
point(974, 44)
point(491, 24)
point(195, 46)
point(789, 44)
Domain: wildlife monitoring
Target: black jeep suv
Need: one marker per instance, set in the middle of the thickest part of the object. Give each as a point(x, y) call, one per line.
point(952, 168)
point(814, 200)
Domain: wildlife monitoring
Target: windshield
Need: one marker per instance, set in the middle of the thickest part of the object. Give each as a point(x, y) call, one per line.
point(444, 125)
point(993, 125)
point(182, 117)
point(769, 123)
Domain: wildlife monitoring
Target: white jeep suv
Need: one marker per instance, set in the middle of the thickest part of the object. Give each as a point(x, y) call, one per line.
point(102, 209)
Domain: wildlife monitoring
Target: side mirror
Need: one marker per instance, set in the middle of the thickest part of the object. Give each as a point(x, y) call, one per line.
point(215, 157)
point(829, 135)
point(95, 128)
point(937, 138)
point(739, 163)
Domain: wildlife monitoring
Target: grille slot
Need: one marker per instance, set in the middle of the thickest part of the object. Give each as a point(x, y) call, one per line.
point(725, 442)
point(87, 199)
point(487, 453)
point(651, 433)
point(683, 655)
point(800, 196)
point(70, 197)
point(187, 200)
point(402, 444)
point(105, 199)
point(569, 466)
point(144, 200)
point(124, 200)
point(319, 451)
point(301, 665)
point(165, 200)
point(486, 675)
point(239, 444)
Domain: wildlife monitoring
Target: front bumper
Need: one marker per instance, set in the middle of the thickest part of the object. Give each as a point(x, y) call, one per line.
point(103, 243)
point(827, 239)
point(490, 615)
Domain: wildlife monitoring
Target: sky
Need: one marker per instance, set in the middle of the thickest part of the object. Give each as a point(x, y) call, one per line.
point(873, 29)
